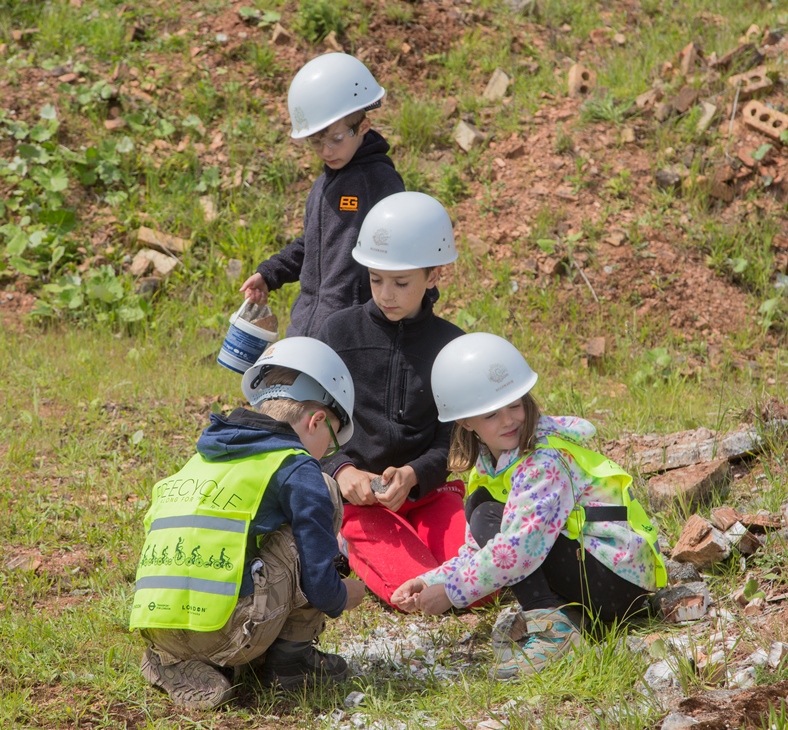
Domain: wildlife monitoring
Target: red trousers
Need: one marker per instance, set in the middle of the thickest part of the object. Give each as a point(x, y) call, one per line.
point(387, 548)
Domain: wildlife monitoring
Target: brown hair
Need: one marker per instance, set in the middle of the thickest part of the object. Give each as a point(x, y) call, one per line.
point(354, 119)
point(464, 449)
point(285, 409)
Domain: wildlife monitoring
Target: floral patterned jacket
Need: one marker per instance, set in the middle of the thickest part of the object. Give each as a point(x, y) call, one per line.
point(545, 486)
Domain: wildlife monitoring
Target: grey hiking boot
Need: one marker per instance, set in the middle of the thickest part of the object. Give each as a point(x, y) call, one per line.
point(291, 664)
point(191, 684)
point(524, 642)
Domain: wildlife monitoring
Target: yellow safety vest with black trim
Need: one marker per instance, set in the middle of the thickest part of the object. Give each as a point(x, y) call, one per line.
point(189, 574)
point(599, 466)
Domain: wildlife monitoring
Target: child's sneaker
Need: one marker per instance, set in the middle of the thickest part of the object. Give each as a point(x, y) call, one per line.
point(291, 664)
point(191, 684)
point(525, 641)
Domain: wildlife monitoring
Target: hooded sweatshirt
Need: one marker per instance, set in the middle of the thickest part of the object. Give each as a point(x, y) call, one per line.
point(321, 259)
point(545, 486)
point(395, 417)
point(296, 495)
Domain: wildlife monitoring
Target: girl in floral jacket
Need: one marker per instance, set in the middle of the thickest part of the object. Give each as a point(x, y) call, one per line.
point(547, 517)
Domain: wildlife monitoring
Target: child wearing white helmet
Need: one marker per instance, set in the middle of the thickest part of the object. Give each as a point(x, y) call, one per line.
point(402, 518)
point(328, 100)
point(237, 570)
point(551, 519)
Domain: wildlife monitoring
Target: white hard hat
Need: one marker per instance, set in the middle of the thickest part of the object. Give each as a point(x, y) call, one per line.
point(406, 231)
point(325, 378)
point(478, 373)
point(329, 88)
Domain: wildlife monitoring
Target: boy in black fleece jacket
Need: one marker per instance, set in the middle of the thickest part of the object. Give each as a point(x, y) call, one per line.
point(237, 567)
point(409, 517)
point(328, 100)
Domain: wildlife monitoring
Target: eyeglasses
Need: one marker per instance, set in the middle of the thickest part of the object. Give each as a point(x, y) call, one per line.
point(331, 450)
point(333, 141)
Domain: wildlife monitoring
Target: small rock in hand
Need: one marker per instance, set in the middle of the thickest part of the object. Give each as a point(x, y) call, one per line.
point(377, 485)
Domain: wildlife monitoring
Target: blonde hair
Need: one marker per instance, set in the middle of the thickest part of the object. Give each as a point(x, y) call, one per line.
point(464, 448)
point(354, 119)
point(285, 409)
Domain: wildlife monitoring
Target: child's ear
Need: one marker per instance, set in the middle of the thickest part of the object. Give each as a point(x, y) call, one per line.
point(315, 420)
point(364, 127)
point(463, 423)
point(434, 277)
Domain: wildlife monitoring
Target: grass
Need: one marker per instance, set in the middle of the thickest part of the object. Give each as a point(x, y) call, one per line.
point(96, 408)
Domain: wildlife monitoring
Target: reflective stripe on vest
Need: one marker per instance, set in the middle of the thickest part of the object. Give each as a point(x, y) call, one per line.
point(599, 466)
point(190, 570)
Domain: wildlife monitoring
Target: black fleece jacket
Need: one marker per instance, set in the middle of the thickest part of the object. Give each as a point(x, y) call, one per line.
point(396, 421)
point(321, 258)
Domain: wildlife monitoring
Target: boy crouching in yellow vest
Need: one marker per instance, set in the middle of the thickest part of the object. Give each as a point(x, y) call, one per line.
point(237, 566)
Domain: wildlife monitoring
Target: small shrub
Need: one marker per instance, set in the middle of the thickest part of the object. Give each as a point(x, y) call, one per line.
point(317, 18)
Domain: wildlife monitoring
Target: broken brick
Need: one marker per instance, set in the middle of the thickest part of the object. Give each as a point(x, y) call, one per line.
point(761, 118)
point(580, 80)
point(752, 84)
point(690, 485)
point(701, 544)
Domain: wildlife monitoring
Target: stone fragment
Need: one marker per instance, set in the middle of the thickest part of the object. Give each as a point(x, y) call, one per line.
point(723, 518)
point(688, 58)
point(467, 136)
point(490, 724)
point(777, 653)
point(331, 42)
point(162, 263)
point(208, 208)
point(377, 485)
point(3, 50)
point(233, 269)
point(21, 36)
point(763, 119)
point(524, 7)
point(595, 349)
point(701, 544)
point(660, 675)
point(498, 85)
point(648, 98)
point(755, 607)
point(663, 110)
point(685, 99)
point(721, 188)
point(761, 521)
point(743, 679)
point(23, 562)
point(140, 264)
point(354, 699)
point(740, 59)
point(751, 84)
point(709, 112)
point(68, 78)
point(580, 80)
point(678, 721)
point(449, 107)
point(619, 39)
point(478, 245)
point(758, 658)
point(616, 237)
point(163, 242)
point(742, 539)
point(667, 180)
point(692, 447)
point(147, 286)
point(627, 134)
point(685, 602)
point(114, 124)
point(689, 485)
point(679, 573)
point(279, 36)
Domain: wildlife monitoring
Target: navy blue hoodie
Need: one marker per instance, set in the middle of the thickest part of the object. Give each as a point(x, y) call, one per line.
point(321, 258)
point(296, 495)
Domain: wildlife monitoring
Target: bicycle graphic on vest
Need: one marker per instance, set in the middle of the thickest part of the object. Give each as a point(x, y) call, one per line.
point(180, 556)
point(222, 562)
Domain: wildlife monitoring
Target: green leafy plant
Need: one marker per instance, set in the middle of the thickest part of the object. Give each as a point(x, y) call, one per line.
point(317, 18)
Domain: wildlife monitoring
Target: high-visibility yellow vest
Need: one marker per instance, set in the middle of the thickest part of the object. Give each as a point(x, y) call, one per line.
point(599, 466)
point(189, 573)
